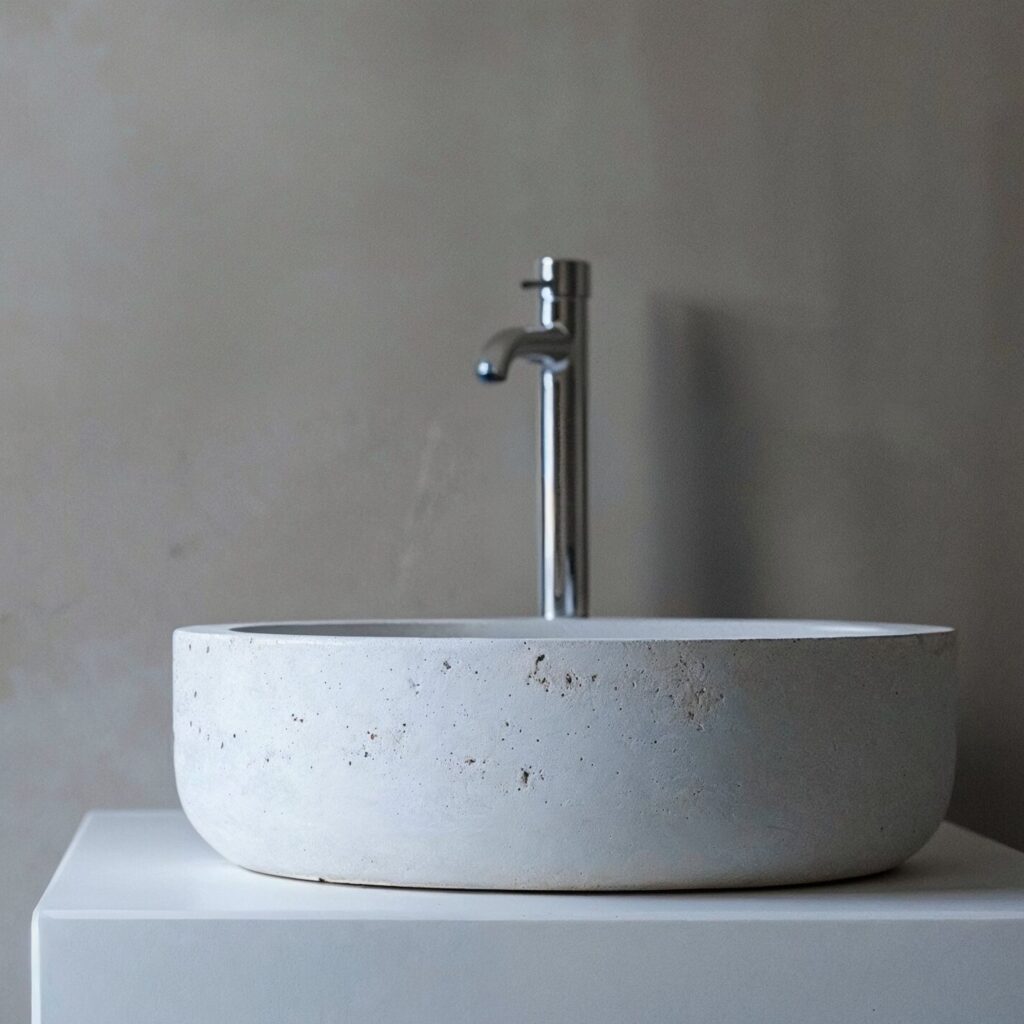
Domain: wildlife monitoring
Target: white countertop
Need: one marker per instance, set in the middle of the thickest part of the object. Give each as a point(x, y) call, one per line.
point(954, 914)
point(152, 863)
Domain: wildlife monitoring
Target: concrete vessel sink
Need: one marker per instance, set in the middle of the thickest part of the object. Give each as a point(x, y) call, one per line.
point(575, 754)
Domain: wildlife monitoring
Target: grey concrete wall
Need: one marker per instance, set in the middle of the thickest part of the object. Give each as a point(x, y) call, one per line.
point(249, 251)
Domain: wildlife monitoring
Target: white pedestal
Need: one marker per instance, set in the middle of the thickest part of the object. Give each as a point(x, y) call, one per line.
point(144, 924)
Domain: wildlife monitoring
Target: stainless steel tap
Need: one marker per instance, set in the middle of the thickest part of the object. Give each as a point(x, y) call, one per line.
point(559, 346)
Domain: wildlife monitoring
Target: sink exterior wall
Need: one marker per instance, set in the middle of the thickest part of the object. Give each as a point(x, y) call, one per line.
point(562, 764)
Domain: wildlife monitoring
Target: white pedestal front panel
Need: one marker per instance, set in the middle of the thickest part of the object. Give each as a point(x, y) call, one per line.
point(144, 924)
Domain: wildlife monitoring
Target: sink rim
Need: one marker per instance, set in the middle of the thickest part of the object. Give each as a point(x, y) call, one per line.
point(570, 630)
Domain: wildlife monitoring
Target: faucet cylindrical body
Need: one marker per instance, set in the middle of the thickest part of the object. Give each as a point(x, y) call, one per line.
point(563, 444)
point(559, 345)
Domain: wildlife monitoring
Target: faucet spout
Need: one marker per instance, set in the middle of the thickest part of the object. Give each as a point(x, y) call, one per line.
point(549, 348)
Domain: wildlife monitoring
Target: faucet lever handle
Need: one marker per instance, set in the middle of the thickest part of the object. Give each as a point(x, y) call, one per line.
point(561, 279)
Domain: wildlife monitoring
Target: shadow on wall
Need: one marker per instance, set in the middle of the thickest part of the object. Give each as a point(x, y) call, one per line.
point(786, 481)
point(705, 439)
point(990, 780)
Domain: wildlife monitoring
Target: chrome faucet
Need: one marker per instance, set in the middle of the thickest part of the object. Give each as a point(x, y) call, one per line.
point(559, 346)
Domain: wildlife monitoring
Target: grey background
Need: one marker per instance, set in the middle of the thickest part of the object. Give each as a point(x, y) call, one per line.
point(249, 252)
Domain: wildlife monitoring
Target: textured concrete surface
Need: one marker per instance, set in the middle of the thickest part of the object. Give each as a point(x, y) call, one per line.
point(250, 251)
point(604, 754)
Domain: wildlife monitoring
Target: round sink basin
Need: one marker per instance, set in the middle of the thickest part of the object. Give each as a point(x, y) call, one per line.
point(581, 754)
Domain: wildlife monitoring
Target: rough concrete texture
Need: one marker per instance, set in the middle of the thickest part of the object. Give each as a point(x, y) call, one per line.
point(616, 755)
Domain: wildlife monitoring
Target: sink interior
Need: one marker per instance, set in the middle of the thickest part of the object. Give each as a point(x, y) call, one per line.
point(591, 629)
